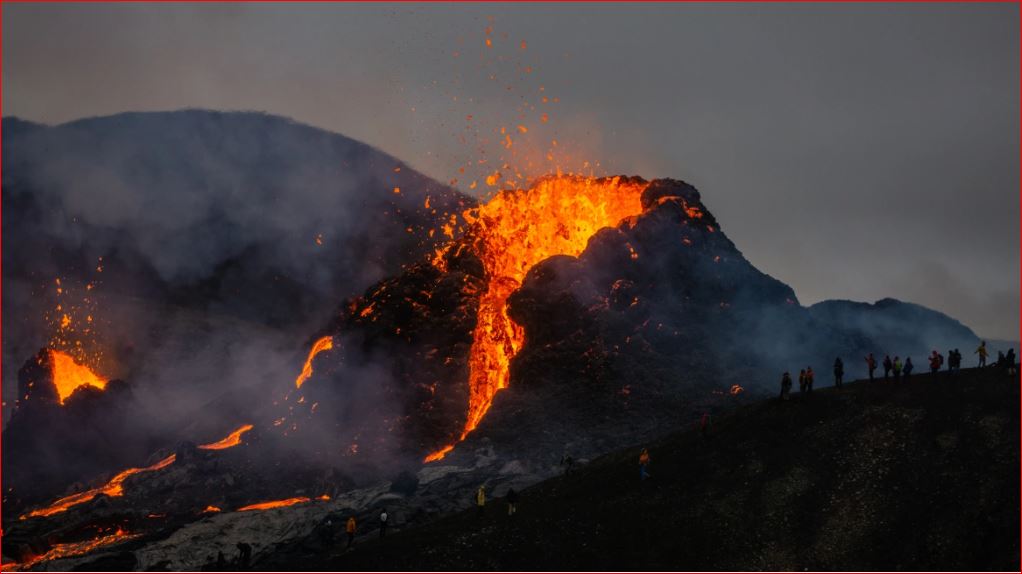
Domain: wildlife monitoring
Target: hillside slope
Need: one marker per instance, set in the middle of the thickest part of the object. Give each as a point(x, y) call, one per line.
point(912, 476)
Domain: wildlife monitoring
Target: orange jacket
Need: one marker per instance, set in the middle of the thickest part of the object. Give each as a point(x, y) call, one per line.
point(350, 527)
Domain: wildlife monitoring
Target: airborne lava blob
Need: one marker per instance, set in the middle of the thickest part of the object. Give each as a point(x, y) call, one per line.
point(513, 232)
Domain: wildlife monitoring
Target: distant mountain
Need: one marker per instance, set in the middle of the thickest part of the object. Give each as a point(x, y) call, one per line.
point(896, 327)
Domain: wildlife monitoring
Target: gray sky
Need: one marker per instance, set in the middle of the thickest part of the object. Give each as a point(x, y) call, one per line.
point(851, 150)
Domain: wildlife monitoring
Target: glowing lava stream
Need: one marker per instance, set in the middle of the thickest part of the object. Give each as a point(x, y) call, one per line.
point(322, 344)
point(68, 549)
point(513, 232)
point(115, 486)
point(68, 375)
point(280, 503)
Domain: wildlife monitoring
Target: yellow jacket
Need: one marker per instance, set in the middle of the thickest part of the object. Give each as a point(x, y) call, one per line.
point(481, 497)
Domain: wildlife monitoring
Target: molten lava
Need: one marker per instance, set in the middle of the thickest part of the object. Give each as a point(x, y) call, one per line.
point(513, 232)
point(323, 344)
point(275, 503)
point(69, 549)
point(115, 487)
point(68, 375)
point(233, 439)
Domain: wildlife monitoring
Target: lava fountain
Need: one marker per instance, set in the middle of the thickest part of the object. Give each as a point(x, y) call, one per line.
point(511, 233)
point(68, 375)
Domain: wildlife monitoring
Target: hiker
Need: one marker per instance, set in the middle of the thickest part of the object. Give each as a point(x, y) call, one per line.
point(958, 360)
point(908, 367)
point(383, 522)
point(871, 364)
point(1010, 360)
point(809, 380)
point(568, 463)
point(512, 500)
point(950, 361)
point(244, 554)
point(896, 368)
point(839, 371)
point(480, 500)
point(349, 528)
point(934, 362)
point(785, 386)
point(704, 425)
point(644, 465)
point(1000, 360)
point(982, 352)
point(802, 382)
point(888, 365)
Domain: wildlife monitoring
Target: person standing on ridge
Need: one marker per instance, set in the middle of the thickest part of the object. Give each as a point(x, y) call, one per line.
point(982, 352)
point(785, 386)
point(896, 367)
point(481, 500)
point(809, 380)
point(908, 367)
point(644, 465)
point(888, 366)
point(934, 362)
point(839, 372)
point(802, 382)
point(383, 522)
point(349, 529)
point(512, 500)
point(871, 364)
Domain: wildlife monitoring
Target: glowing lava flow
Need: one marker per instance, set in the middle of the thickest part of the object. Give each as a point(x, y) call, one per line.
point(69, 549)
point(115, 487)
point(276, 503)
point(323, 344)
point(233, 439)
point(69, 375)
point(513, 232)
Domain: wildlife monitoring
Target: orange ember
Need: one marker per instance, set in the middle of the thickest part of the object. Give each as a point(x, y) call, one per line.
point(69, 549)
point(69, 375)
point(233, 439)
point(514, 231)
point(211, 508)
point(735, 389)
point(275, 504)
point(323, 344)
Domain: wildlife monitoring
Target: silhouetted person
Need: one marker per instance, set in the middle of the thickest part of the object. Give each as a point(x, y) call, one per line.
point(908, 367)
point(349, 529)
point(568, 463)
point(802, 382)
point(512, 500)
point(644, 465)
point(958, 360)
point(896, 367)
point(704, 425)
point(982, 352)
point(839, 372)
point(785, 386)
point(383, 522)
point(934, 362)
point(888, 366)
point(244, 554)
point(950, 360)
point(809, 380)
point(1010, 360)
point(871, 365)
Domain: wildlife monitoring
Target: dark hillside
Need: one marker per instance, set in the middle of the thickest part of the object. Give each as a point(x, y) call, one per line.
point(912, 476)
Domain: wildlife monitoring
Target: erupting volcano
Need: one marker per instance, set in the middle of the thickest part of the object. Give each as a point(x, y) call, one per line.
point(68, 375)
point(512, 232)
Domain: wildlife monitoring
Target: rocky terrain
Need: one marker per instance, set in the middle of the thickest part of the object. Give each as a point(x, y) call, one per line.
point(921, 475)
